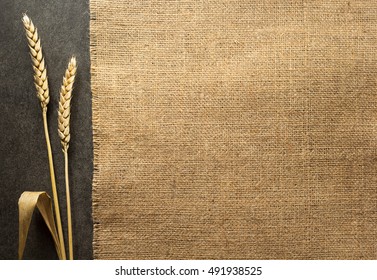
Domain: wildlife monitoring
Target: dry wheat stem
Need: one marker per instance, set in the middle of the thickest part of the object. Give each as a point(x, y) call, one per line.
point(53, 184)
point(69, 216)
point(64, 115)
point(41, 84)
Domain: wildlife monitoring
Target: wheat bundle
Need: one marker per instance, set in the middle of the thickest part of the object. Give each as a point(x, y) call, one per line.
point(41, 84)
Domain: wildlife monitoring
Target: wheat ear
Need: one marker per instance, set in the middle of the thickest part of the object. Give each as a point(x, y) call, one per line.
point(41, 84)
point(39, 66)
point(64, 115)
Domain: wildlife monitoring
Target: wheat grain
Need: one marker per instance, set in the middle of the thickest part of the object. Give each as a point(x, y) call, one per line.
point(39, 66)
point(64, 112)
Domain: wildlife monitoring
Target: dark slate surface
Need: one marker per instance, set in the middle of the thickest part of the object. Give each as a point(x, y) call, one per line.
point(64, 30)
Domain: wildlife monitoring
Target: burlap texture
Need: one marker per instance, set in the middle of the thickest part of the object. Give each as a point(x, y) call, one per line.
point(234, 129)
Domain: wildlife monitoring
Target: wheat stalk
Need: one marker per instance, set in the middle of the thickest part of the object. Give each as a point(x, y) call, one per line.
point(41, 84)
point(64, 115)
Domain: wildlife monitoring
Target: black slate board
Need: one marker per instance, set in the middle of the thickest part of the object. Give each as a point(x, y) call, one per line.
point(64, 30)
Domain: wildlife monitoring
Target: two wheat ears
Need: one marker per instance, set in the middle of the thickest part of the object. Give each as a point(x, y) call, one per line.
point(64, 113)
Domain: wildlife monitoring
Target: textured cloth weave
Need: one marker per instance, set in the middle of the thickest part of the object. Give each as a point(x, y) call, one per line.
point(234, 129)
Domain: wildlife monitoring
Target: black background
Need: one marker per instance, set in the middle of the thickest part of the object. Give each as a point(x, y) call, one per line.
point(64, 30)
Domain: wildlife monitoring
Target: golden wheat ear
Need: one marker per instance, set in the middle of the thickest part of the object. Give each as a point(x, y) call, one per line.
point(40, 71)
point(64, 116)
point(64, 112)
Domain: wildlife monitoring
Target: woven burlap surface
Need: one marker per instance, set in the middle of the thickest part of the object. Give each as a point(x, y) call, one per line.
point(234, 129)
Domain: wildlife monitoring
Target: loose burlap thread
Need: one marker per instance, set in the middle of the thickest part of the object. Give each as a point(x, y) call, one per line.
point(234, 129)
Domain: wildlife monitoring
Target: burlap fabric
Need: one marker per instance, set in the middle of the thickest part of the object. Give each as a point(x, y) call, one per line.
point(234, 129)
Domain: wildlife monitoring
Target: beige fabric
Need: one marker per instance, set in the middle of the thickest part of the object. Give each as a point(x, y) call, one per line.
point(234, 129)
